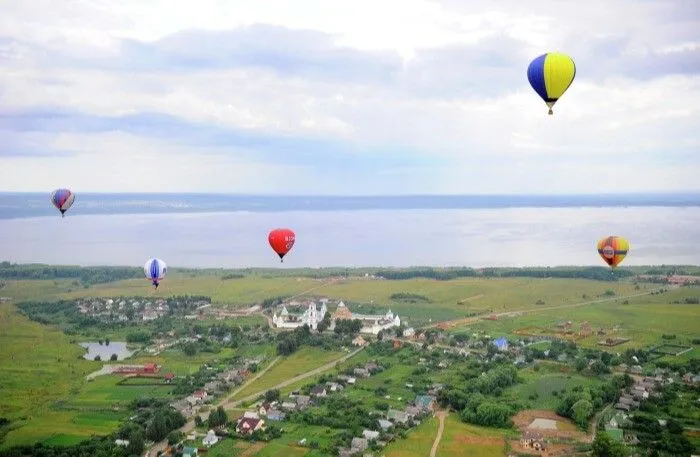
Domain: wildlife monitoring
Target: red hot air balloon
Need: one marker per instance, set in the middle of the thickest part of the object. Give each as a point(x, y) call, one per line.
point(281, 240)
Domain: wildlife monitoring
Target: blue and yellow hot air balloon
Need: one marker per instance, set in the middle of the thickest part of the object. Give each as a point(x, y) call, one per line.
point(551, 75)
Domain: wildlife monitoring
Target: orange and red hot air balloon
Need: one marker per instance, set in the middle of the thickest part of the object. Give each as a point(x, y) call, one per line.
point(281, 240)
point(613, 249)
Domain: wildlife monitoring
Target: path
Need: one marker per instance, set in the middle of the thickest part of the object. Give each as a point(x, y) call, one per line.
point(441, 417)
point(594, 422)
point(227, 404)
point(308, 374)
point(543, 309)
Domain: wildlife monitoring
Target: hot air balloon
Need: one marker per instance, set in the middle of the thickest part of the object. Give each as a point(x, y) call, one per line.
point(613, 249)
point(551, 75)
point(281, 240)
point(155, 270)
point(62, 199)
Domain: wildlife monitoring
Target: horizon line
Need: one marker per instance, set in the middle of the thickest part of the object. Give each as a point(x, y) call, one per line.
point(262, 194)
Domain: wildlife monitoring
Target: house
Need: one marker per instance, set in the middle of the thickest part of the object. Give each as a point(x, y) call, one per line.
point(533, 440)
point(347, 379)
point(334, 386)
point(501, 343)
point(318, 391)
point(119, 442)
point(397, 416)
point(371, 367)
point(409, 332)
point(275, 415)
point(251, 415)
point(248, 425)
point(169, 377)
point(413, 411)
point(303, 401)
point(200, 395)
point(359, 341)
point(425, 402)
point(288, 406)
point(384, 424)
point(358, 444)
point(211, 439)
point(264, 408)
point(189, 452)
point(370, 434)
point(361, 372)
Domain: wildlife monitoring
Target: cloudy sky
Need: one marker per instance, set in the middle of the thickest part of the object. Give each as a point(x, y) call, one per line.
point(347, 96)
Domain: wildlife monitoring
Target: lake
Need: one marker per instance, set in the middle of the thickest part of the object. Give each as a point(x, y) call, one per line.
point(476, 237)
point(105, 351)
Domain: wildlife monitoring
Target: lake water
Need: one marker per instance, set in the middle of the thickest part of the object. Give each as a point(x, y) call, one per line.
point(105, 351)
point(504, 234)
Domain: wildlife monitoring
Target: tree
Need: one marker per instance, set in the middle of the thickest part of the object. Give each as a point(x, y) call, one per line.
point(218, 417)
point(604, 446)
point(272, 395)
point(174, 437)
point(190, 349)
point(198, 422)
point(114, 357)
point(97, 358)
point(135, 446)
point(580, 364)
point(581, 411)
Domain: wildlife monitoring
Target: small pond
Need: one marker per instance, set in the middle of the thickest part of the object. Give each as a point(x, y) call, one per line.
point(105, 351)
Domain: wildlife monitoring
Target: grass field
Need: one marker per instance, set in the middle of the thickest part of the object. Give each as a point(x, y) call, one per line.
point(448, 299)
point(418, 442)
point(644, 319)
point(539, 386)
point(41, 366)
point(302, 361)
point(460, 439)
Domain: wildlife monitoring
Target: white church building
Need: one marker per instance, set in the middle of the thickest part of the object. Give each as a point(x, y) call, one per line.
point(371, 323)
point(311, 316)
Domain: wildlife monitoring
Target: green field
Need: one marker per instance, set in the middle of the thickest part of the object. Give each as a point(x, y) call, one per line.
point(302, 361)
point(418, 442)
point(538, 387)
point(44, 382)
point(460, 439)
point(632, 319)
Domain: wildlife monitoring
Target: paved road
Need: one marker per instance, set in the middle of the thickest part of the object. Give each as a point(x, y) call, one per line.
point(228, 404)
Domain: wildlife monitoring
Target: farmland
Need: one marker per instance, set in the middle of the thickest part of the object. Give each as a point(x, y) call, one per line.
point(48, 399)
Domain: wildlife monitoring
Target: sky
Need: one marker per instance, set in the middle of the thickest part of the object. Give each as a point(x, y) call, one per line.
point(356, 97)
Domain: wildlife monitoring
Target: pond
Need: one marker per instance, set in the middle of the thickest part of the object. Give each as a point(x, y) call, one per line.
point(105, 351)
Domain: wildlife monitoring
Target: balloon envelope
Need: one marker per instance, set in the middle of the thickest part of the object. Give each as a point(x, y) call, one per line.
point(62, 199)
point(155, 270)
point(550, 75)
point(613, 249)
point(281, 240)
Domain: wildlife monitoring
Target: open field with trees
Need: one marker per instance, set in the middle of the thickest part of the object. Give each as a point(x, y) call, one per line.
point(48, 399)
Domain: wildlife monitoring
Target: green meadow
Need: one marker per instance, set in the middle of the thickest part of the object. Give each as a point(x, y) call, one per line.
point(47, 396)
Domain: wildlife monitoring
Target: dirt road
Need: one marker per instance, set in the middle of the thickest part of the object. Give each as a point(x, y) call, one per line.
point(441, 415)
point(470, 320)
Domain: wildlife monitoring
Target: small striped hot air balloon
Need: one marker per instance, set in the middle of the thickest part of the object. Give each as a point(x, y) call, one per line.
point(550, 75)
point(62, 199)
point(613, 249)
point(155, 270)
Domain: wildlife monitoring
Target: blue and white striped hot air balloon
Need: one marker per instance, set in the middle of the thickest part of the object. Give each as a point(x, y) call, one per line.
point(155, 270)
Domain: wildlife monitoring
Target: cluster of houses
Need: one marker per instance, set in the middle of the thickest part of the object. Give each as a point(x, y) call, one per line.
point(190, 405)
point(133, 309)
point(312, 315)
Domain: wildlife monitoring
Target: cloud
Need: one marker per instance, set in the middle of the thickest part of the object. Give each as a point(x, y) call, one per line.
point(397, 97)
